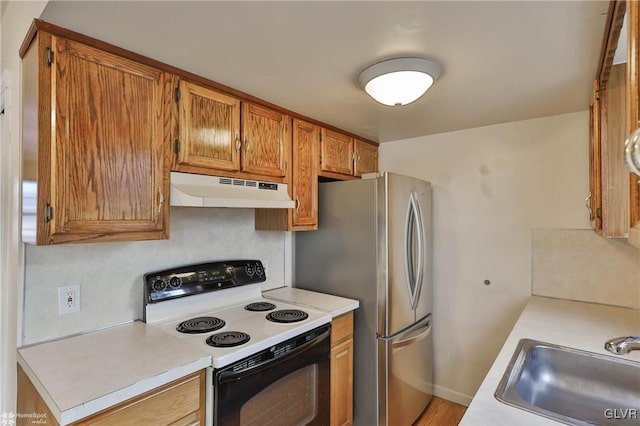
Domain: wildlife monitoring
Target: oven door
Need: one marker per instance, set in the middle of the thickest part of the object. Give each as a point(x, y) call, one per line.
point(288, 384)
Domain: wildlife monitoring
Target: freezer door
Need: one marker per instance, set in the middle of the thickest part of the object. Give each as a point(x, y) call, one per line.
point(404, 252)
point(406, 383)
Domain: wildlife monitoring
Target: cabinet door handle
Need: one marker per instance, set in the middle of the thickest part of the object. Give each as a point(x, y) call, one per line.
point(587, 204)
point(247, 145)
point(632, 153)
point(238, 142)
point(160, 199)
point(297, 204)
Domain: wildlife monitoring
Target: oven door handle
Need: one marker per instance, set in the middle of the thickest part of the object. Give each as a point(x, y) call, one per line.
point(227, 376)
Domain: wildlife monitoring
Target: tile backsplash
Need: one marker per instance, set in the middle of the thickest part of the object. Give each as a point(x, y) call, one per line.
point(110, 274)
point(581, 265)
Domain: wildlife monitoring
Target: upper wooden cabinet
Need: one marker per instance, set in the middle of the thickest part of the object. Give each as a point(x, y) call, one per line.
point(336, 154)
point(594, 200)
point(103, 127)
point(95, 144)
point(266, 141)
point(633, 111)
point(211, 139)
point(365, 159)
point(304, 182)
point(610, 117)
point(209, 123)
point(342, 155)
point(303, 185)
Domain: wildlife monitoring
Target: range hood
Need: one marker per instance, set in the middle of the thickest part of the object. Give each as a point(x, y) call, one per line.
point(191, 190)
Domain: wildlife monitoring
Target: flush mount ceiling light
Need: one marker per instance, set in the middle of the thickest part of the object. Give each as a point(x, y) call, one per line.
point(399, 81)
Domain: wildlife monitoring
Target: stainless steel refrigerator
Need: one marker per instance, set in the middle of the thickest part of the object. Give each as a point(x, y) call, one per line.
point(373, 244)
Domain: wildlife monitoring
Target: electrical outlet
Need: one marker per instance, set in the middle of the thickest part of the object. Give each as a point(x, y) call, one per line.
point(68, 299)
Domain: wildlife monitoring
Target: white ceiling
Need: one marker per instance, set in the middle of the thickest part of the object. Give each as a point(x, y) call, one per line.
point(503, 61)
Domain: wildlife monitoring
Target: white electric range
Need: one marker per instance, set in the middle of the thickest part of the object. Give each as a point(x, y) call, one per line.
point(219, 305)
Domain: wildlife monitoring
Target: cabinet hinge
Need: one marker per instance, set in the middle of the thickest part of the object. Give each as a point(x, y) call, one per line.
point(176, 94)
point(599, 213)
point(48, 212)
point(49, 56)
point(597, 94)
point(320, 136)
point(321, 159)
point(176, 146)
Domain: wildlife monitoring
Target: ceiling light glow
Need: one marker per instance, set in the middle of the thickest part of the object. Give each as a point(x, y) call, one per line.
point(399, 81)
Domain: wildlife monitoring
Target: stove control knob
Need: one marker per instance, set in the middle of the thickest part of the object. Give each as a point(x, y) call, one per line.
point(250, 270)
point(175, 282)
point(259, 270)
point(159, 284)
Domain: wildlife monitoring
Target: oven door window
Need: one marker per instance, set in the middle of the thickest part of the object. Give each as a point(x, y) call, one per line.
point(293, 389)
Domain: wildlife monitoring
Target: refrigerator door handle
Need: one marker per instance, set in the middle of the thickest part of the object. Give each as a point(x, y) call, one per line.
point(414, 272)
point(405, 342)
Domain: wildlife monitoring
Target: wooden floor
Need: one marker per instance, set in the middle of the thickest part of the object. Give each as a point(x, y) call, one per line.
point(441, 412)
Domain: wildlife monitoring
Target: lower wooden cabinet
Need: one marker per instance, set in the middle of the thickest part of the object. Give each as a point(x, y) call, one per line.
point(342, 370)
point(30, 402)
point(180, 402)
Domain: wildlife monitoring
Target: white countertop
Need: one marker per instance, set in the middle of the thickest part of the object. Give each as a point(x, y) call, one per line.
point(335, 305)
point(578, 325)
point(81, 375)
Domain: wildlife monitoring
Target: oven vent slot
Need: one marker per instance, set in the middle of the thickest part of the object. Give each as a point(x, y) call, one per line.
point(238, 182)
point(315, 333)
point(225, 181)
point(247, 364)
point(282, 349)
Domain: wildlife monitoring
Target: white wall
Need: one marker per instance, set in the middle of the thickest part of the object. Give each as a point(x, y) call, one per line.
point(491, 186)
point(16, 18)
point(110, 274)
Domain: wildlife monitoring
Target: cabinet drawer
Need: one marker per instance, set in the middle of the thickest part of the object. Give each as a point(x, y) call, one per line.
point(174, 403)
point(341, 328)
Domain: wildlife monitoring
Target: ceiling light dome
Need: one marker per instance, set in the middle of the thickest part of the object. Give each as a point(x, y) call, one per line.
point(399, 81)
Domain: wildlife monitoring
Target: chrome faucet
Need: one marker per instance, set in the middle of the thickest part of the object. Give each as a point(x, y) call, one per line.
point(623, 345)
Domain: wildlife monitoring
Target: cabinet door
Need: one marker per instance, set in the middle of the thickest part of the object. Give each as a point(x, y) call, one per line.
point(209, 128)
point(633, 112)
point(180, 402)
point(109, 146)
point(337, 152)
point(342, 383)
point(366, 158)
point(305, 179)
point(593, 202)
point(266, 137)
point(613, 211)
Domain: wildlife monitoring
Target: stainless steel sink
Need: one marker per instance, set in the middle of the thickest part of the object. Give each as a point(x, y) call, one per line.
point(571, 386)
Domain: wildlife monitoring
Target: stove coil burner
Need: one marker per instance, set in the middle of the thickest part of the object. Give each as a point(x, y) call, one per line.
point(287, 315)
point(228, 339)
point(200, 325)
point(260, 306)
